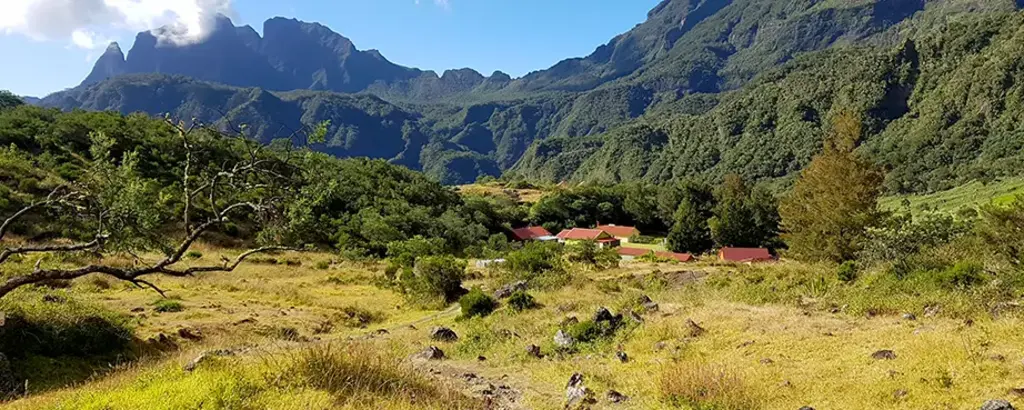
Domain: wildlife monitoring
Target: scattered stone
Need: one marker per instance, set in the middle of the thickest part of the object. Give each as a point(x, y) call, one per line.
point(430, 353)
point(207, 355)
point(899, 394)
point(381, 332)
point(693, 329)
point(443, 334)
point(569, 321)
point(9, 386)
point(660, 346)
point(245, 321)
point(54, 299)
point(507, 290)
point(909, 316)
point(508, 334)
point(635, 317)
point(562, 339)
point(932, 310)
point(576, 394)
point(567, 307)
point(807, 408)
point(616, 397)
point(745, 344)
point(997, 405)
point(190, 334)
point(533, 351)
point(893, 374)
point(884, 355)
point(411, 327)
point(969, 322)
point(998, 358)
point(1019, 391)
point(786, 383)
point(481, 359)
point(767, 361)
point(138, 310)
point(622, 356)
point(603, 315)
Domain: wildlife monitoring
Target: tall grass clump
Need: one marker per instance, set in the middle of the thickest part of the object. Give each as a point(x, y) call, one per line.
point(357, 374)
point(55, 325)
point(704, 387)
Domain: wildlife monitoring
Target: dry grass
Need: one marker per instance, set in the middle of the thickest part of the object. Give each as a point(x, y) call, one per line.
point(705, 386)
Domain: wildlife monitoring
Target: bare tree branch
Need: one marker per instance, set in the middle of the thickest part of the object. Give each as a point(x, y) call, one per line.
point(24, 250)
point(50, 199)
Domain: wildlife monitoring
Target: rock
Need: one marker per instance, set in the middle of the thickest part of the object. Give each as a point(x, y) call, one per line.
point(508, 334)
point(54, 299)
point(884, 355)
point(635, 317)
point(693, 329)
point(569, 321)
point(909, 316)
point(615, 397)
point(650, 307)
point(899, 394)
point(9, 386)
point(807, 408)
point(430, 353)
point(786, 383)
point(932, 310)
point(138, 310)
point(562, 339)
point(660, 346)
point(507, 290)
point(190, 334)
point(767, 361)
point(245, 321)
point(745, 344)
point(997, 358)
point(381, 332)
point(576, 394)
point(443, 334)
point(481, 359)
point(533, 351)
point(997, 405)
point(194, 363)
point(622, 356)
point(603, 315)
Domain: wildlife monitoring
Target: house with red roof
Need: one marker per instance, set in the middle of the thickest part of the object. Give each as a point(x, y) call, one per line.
point(531, 233)
point(621, 232)
point(577, 235)
point(744, 255)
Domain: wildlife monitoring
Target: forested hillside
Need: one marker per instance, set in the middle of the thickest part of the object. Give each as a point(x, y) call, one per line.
point(700, 89)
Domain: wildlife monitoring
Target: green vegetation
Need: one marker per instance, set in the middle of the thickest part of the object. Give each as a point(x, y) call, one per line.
point(521, 301)
point(476, 303)
point(168, 306)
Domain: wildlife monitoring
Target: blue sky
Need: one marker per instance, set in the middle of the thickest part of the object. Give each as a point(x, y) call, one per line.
point(514, 36)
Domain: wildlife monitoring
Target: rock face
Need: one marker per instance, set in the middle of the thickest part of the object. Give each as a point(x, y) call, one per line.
point(443, 334)
point(9, 387)
point(507, 290)
point(997, 405)
point(563, 339)
point(430, 353)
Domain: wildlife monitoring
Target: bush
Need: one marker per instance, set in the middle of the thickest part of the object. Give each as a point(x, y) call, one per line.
point(589, 331)
point(168, 305)
point(520, 301)
point(323, 265)
point(963, 275)
point(194, 255)
point(437, 277)
point(847, 272)
point(477, 303)
point(60, 327)
point(702, 386)
point(539, 263)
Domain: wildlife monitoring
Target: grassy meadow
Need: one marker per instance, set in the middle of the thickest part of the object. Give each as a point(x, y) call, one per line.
point(303, 330)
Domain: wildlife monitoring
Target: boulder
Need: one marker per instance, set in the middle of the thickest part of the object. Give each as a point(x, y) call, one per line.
point(534, 351)
point(603, 315)
point(909, 316)
point(576, 394)
point(997, 405)
point(622, 356)
point(430, 353)
point(884, 355)
point(443, 334)
point(507, 290)
point(563, 339)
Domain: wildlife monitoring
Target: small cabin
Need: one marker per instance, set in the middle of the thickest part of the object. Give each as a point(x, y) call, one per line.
point(532, 233)
point(745, 255)
point(623, 233)
point(577, 235)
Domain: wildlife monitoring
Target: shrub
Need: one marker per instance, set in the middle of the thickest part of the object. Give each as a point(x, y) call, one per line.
point(589, 330)
point(437, 276)
point(520, 301)
point(323, 265)
point(352, 316)
point(847, 272)
point(477, 303)
point(963, 275)
point(168, 305)
point(60, 327)
point(701, 386)
point(194, 255)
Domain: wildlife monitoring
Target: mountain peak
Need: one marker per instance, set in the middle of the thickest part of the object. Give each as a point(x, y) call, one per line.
point(110, 64)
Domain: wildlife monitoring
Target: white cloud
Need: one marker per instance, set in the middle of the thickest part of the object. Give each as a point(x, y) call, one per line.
point(443, 3)
point(78, 21)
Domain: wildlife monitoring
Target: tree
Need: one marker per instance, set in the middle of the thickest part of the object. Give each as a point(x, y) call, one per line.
point(835, 200)
point(127, 213)
point(9, 100)
point(690, 231)
point(1002, 228)
point(744, 217)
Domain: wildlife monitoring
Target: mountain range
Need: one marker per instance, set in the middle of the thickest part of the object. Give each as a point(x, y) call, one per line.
point(700, 89)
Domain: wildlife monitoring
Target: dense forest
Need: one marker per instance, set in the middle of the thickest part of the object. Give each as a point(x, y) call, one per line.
point(712, 96)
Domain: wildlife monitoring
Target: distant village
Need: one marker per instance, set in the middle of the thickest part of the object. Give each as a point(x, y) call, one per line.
point(622, 238)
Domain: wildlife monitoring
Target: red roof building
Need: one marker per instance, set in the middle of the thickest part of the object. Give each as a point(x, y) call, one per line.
point(619, 231)
point(633, 252)
point(580, 234)
point(744, 255)
point(530, 233)
point(680, 257)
